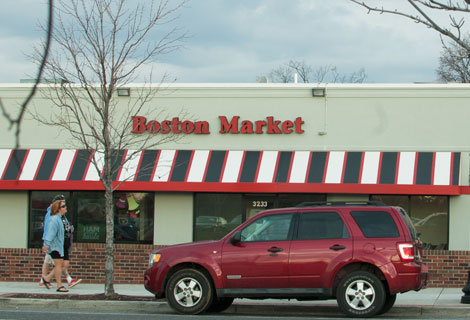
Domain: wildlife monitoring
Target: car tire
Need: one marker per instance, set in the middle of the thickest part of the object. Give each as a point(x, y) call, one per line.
point(219, 305)
point(360, 294)
point(189, 291)
point(389, 302)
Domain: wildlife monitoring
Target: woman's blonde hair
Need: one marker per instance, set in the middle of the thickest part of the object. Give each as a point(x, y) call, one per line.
point(55, 207)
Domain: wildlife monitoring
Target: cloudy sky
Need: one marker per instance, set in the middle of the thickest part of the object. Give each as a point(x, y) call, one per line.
point(237, 41)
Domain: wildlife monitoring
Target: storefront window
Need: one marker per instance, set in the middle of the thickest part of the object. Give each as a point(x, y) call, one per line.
point(429, 214)
point(90, 216)
point(216, 214)
point(133, 216)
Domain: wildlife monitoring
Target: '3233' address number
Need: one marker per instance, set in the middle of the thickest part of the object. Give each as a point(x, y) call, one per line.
point(259, 204)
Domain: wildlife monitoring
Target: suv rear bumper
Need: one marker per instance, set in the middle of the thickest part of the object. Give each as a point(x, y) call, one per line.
point(410, 280)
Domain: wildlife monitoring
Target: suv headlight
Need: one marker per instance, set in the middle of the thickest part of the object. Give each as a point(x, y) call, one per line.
point(154, 258)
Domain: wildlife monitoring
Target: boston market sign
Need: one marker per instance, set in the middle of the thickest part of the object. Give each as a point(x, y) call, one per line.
point(234, 125)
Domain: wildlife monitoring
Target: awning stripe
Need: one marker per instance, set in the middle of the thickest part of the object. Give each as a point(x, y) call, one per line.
point(250, 166)
point(15, 164)
point(147, 164)
point(164, 165)
point(334, 170)
point(388, 168)
point(79, 165)
point(442, 169)
point(48, 162)
point(198, 166)
point(425, 168)
point(299, 169)
point(406, 167)
point(216, 166)
point(31, 164)
point(234, 169)
point(4, 158)
point(456, 168)
point(316, 172)
point(231, 170)
point(267, 167)
point(283, 167)
point(353, 167)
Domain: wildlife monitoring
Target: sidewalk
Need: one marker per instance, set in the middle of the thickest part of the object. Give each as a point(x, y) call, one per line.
point(432, 302)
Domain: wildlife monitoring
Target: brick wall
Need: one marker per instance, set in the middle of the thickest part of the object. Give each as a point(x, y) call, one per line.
point(87, 262)
point(447, 268)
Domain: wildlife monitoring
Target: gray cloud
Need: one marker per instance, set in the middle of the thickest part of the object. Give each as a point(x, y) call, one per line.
point(236, 41)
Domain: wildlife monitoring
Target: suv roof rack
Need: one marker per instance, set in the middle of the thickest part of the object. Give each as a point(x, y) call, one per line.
point(341, 203)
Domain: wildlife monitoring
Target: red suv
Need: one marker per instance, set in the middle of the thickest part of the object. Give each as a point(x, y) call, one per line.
point(361, 254)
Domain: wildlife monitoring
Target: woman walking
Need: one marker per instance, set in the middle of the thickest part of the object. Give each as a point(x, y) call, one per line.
point(54, 243)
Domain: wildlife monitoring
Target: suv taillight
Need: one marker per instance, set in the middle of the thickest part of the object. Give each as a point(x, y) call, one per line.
point(407, 251)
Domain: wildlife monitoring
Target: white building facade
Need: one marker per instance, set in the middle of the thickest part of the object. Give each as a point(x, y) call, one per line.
point(244, 148)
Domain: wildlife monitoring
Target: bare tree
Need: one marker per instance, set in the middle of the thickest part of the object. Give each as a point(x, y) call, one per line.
point(285, 73)
point(15, 121)
point(421, 12)
point(454, 63)
point(302, 69)
point(100, 46)
point(282, 74)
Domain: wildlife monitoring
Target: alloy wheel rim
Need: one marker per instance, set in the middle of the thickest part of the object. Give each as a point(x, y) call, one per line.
point(188, 292)
point(360, 295)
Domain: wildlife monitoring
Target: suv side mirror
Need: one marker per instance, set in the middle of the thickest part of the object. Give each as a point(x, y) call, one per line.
point(236, 238)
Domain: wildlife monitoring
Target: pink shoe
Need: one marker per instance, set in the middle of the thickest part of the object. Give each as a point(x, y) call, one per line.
point(73, 283)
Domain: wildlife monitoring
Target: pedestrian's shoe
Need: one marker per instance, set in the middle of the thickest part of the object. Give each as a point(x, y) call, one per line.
point(74, 282)
point(45, 284)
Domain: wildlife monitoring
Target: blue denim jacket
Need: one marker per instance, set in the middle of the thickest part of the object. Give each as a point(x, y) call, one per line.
point(54, 239)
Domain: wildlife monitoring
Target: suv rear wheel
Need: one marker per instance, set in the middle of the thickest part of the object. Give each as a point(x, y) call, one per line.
point(389, 302)
point(189, 291)
point(360, 294)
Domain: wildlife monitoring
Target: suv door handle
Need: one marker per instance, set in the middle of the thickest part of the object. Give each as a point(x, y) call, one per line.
point(274, 249)
point(337, 247)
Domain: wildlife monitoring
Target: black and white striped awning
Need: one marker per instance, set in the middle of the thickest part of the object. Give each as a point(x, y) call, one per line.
point(236, 171)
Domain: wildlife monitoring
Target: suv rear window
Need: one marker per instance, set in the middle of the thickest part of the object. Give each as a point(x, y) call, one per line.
point(375, 224)
point(409, 224)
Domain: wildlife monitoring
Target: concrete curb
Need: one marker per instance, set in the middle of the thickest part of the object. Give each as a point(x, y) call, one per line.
point(270, 308)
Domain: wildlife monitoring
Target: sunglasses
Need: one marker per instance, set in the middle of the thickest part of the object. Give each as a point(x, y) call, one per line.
point(63, 206)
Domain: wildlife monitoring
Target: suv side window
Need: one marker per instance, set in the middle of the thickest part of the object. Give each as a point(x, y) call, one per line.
point(268, 228)
point(321, 225)
point(376, 224)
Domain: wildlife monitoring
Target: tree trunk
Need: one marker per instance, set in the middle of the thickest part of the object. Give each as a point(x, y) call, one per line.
point(109, 250)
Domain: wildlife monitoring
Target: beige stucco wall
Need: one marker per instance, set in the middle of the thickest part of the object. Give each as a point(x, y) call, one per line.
point(367, 117)
point(359, 117)
point(173, 218)
point(14, 217)
point(459, 223)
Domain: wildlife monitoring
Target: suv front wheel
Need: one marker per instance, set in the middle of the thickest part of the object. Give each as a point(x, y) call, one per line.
point(189, 291)
point(360, 294)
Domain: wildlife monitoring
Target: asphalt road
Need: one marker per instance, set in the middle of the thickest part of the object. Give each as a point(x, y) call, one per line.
point(108, 315)
point(72, 315)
